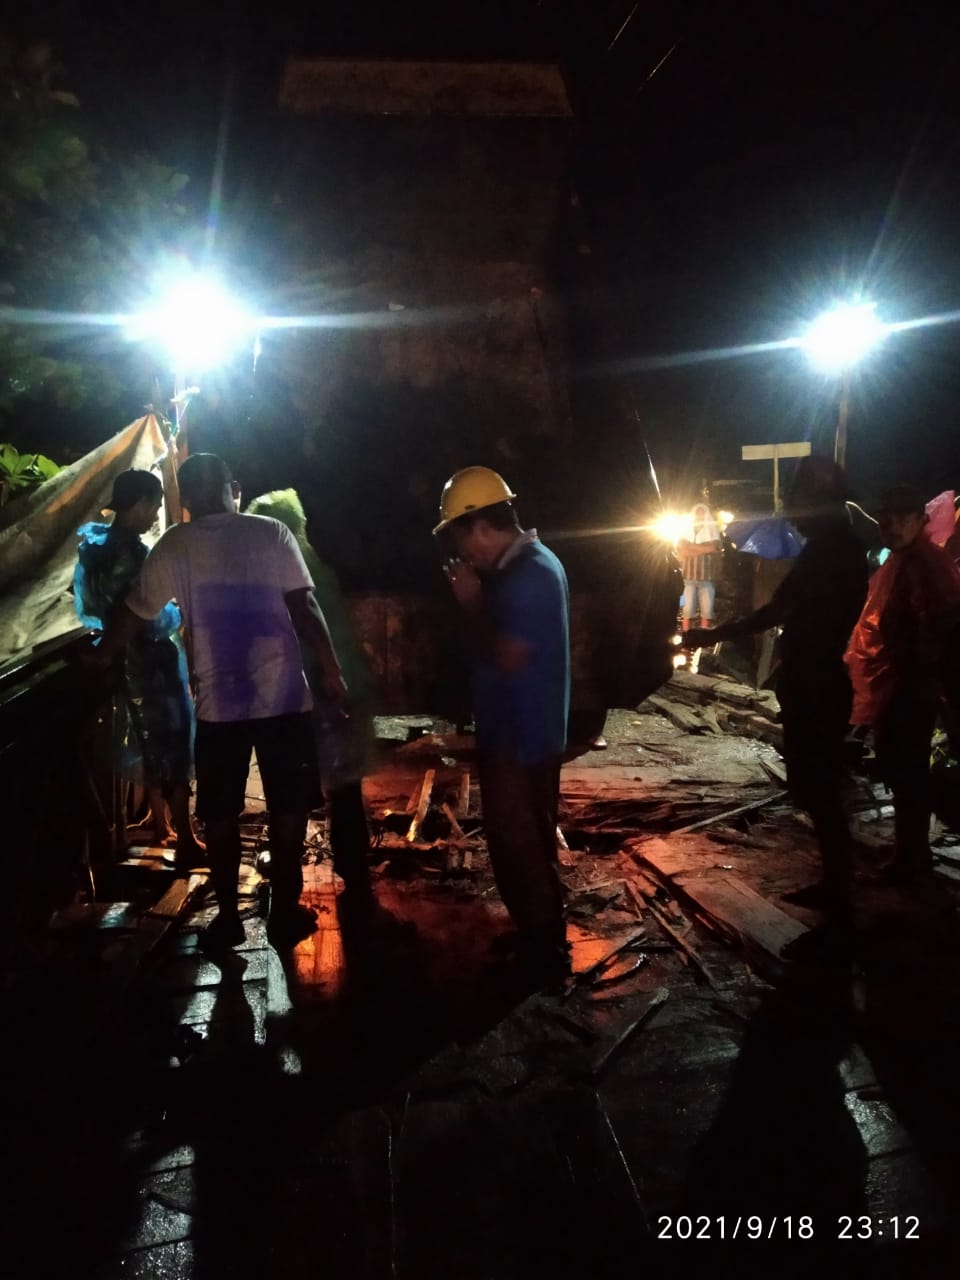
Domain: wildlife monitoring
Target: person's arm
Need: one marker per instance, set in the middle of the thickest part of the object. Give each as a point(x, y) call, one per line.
point(121, 628)
point(147, 597)
point(510, 653)
point(770, 615)
point(310, 625)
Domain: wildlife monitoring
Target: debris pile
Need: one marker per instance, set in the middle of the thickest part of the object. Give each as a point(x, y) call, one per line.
point(718, 704)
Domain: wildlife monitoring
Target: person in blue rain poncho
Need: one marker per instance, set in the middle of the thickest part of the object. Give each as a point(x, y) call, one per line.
point(155, 720)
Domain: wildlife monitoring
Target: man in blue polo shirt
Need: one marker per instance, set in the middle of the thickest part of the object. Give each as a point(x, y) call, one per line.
point(513, 591)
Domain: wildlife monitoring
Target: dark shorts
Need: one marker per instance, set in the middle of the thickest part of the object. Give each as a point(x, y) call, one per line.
point(286, 755)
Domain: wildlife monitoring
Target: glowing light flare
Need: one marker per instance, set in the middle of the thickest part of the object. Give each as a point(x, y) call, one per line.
point(842, 336)
point(725, 517)
point(669, 527)
point(197, 323)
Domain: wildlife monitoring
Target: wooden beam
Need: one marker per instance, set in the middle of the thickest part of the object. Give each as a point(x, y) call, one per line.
point(463, 798)
point(455, 829)
point(677, 713)
point(426, 791)
point(726, 814)
point(763, 930)
point(656, 1001)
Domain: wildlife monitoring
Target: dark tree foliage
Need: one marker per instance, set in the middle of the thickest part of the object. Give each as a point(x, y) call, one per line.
point(81, 225)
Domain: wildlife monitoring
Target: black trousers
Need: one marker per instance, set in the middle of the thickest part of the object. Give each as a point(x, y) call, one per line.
point(902, 736)
point(815, 711)
point(349, 835)
point(520, 804)
point(288, 770)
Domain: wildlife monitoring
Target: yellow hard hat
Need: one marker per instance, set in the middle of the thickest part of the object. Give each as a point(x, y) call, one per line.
point(469, 490)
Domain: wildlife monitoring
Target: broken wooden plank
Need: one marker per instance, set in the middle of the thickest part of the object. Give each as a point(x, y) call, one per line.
point(731, 813)
point(677, 714)
point(564, 856)
point(455, 829)
point(775, 768)
point(633, 939)
point(709, 714)
point(750, 724)
point(426, 791)
point(679, 936)
point(171, 905)
point(452, 861)
point(702, 687)
point(731, 691)
point(463, 796)
point(695, 856)
point(762, 928)
point(730, 902)
point(657, 1000)
point(414, 799)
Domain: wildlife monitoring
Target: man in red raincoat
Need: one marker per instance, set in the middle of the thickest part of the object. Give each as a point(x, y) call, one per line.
point(895, 659)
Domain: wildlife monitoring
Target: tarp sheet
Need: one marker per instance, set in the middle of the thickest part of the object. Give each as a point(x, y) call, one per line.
point(942, 513)
point(771, 537)
point(38, 543)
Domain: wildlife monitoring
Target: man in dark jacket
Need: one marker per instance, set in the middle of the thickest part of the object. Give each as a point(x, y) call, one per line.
point(513, 593)
point(816, 606)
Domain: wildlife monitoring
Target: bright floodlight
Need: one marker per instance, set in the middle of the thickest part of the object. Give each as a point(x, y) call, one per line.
point(840, 337)
point(197, 323)
point(669, 527)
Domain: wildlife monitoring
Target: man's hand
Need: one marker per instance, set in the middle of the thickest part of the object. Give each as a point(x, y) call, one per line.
point(335, 688)
point(465, 584)
point(310, 625)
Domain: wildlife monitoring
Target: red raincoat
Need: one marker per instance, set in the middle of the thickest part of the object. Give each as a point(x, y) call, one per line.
point(913, 600)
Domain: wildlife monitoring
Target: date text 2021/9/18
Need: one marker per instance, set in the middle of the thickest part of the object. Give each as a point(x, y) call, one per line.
point(753, 1226)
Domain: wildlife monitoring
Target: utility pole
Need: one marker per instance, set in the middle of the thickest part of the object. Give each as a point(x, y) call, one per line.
point(843, 415)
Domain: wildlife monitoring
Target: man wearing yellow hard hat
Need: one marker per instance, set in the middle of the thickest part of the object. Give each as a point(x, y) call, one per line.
point(513, 591)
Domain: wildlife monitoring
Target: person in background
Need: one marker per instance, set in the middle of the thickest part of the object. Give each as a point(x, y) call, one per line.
point(247, 601)
point(895, 658)
point(817, 606)
point(344, 741)
point(155, 706)
point(699, 550)
point(513, 594)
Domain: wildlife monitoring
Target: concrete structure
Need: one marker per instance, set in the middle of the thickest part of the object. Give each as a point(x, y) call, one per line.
point(436, 241)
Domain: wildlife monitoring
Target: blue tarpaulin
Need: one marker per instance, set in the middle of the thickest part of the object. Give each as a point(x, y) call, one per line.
point(772, 537)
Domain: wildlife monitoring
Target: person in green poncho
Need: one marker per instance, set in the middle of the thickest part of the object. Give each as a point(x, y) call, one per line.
point(344, 743)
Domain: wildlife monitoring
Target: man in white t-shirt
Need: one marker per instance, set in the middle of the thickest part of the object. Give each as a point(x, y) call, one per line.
point(247, 599)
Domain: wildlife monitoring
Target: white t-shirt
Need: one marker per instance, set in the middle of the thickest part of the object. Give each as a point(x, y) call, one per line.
point(229, 574)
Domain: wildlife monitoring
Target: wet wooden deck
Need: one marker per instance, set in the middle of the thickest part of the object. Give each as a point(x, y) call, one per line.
point(401, 1107)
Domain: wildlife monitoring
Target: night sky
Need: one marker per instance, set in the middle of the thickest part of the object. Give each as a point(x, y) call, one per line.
point(781, 156)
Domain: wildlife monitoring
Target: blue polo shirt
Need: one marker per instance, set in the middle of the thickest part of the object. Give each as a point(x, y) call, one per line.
point(523, 714)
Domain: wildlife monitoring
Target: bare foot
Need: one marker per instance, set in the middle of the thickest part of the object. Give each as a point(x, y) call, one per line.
point(152, 827)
